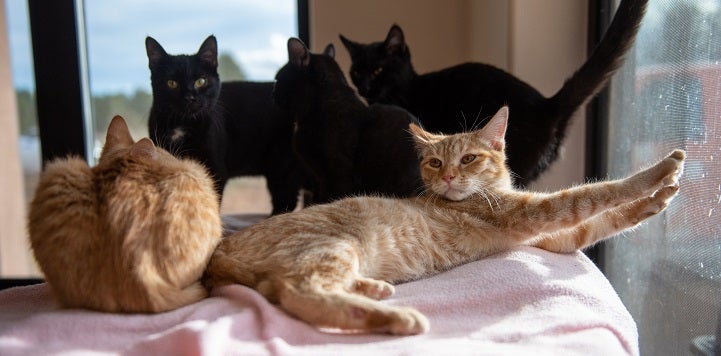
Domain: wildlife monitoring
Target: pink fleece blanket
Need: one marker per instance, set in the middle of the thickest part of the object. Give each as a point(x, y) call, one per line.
point(526, 301)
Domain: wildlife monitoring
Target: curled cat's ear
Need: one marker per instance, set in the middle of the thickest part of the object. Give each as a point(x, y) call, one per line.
point(298, 53)
point(329, 50)
point(143, 149)
point(395, 42)
point(118, 133)
point(208, 52)
point(155, 52)
point(495, 129)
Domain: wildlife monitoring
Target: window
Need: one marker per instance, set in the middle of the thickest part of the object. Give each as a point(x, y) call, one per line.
point(251, 35)
point(668, 95)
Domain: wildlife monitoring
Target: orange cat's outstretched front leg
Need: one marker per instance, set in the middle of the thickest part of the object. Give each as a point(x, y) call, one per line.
point(608, 223)
point(531, 214)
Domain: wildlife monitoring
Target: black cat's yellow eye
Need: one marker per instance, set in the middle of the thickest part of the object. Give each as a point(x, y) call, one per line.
point(200, 82)
point(172, 84)
point(468, 158)
point(435, 163)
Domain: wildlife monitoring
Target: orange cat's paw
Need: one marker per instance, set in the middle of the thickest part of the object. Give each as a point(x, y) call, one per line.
point(409, 321)
point(373, 288)
point(674, 165)
point(653, 205)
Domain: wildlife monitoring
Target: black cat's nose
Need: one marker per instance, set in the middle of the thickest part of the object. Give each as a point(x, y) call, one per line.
point(190, 98)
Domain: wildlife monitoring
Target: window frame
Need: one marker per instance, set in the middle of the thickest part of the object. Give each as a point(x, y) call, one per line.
point(61, 75)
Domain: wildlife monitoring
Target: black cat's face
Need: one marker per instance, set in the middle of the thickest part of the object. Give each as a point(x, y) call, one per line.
point(379, 69)
point(184, 85)
point(299, 80)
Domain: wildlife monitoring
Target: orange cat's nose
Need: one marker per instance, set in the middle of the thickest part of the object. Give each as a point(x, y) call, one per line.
point(448, 178)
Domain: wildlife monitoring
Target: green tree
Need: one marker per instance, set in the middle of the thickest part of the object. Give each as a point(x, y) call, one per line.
point(27, 114)
point(228, 69)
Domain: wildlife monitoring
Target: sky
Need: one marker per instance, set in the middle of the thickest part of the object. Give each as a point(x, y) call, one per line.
point(254, 32)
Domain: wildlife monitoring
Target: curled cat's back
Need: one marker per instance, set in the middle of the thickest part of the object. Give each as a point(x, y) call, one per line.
point(61, 212)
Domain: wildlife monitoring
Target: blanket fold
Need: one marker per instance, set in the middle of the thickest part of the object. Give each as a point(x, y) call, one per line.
point(526, 301)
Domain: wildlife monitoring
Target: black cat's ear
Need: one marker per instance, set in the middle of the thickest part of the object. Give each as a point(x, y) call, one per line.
point(208, 52)
point(395, 42)
point(298, 53)
point(495, 130)
point(155, 51)
point(329, 50)
point(349, 45)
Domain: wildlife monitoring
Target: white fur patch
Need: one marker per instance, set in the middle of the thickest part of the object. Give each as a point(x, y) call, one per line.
point(178, 134)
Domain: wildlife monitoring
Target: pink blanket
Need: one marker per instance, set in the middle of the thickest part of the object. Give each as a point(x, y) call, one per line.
point(526, 301)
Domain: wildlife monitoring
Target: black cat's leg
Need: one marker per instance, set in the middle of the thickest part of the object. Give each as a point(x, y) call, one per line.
point(284, 190)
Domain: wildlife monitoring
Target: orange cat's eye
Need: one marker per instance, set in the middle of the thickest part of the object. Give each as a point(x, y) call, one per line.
point(435, 163)
point(172, 84)
point(468, 159)
point(200, 82)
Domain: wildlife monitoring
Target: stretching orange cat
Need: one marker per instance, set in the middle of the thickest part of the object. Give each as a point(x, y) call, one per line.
point(331, 264)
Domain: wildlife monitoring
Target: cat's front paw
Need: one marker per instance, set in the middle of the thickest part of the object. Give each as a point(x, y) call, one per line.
point(675, 162)
point(663, 174)
point(650, 206)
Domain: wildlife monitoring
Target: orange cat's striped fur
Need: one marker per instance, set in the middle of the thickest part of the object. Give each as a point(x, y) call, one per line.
point(132, 234)
point(331, 264)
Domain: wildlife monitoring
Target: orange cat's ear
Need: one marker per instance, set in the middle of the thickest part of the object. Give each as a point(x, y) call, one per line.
point(118, 133)
point(422, 137)
point(495, 130)
point(143, 148)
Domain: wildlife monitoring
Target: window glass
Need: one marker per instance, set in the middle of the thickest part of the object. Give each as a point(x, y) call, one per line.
point(251, 36)
point(21, 62)
point(667, 96)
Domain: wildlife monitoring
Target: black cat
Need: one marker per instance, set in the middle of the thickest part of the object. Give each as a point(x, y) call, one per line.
point(348, 148)
point(235, 130)
point(382, 72)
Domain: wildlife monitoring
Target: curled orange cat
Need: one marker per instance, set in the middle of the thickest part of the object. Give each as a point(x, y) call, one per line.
point(330, 265)
point(132, 234)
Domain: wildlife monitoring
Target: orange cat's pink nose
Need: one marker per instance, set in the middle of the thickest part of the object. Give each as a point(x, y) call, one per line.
point(448, 178)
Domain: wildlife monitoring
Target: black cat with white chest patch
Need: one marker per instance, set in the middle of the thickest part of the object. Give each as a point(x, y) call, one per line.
point(449, 100)
point(233, 128)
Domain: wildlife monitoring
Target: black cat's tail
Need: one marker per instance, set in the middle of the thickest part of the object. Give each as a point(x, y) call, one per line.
point(606, 58)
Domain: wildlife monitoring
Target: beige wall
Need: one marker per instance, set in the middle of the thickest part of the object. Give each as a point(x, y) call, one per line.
point(540, 41)
point(15, 258)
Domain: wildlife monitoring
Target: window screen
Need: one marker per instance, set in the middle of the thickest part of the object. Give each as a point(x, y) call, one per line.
point(668, 95)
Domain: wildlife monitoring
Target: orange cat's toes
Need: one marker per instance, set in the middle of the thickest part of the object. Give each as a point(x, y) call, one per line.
point(656, 203)
point(666, 193)
point(676, 162)
point(409, 322)
point(678, 154)
point(374, 289)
